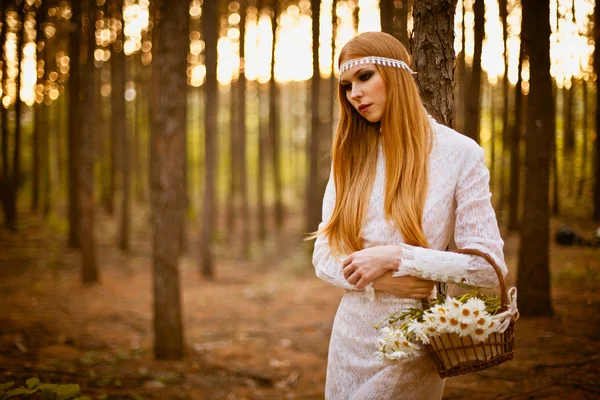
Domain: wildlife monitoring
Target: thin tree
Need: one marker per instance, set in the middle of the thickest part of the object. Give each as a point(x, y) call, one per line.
point(433, 52)
point(503, 7)
point(313, 200)
point(117, 101)
point(533, 280)
point(85, 170)
point(597, 149)
point(474, 89)
point(274, 130)
point(242, 164)
point(515, 149)
point(167, 174)
point(263, 130)
point(74, 121)
point(210, 32)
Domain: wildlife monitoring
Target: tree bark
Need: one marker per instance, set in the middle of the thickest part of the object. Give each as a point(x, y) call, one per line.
point(210, 26)
point(474, 91)
point(433, 53)
point(584, 144)
point(313, 209)
point(533, 280)
point(167, 173)
point(503, 6)
point(243, 174)
point(274, 101)
point(597, 148)
point(85, 175)
point(515, 151)
point(386, 16)
point(74, 122)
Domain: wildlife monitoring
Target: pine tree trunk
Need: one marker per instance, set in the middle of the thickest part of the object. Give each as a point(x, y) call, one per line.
point(85, 181)
point(554, 160)
point(118, 126)
point(474, 91)
point(35, 159)
point(401, 28)
point(74, 122)
point(584, 144)
point(263, 130)
point(243, 174)
point(313, 208)
point(515, 151)
point(167, 173)
point(505, 106)
point(533, 280)
point(275, 135)
point(233, 161)
point(433, 52)
point(597, 148)
point(210, 26)
point(493, 138)
point(386, 16)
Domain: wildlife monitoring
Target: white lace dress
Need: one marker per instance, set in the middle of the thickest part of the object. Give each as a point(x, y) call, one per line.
point(457, 209)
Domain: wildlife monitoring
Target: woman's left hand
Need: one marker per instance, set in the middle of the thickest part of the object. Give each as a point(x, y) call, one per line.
point(366, 265)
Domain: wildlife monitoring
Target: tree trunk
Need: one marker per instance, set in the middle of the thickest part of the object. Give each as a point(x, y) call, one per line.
point(554, 168)
point(503, 4)
point(12, 189)
point(167, 173)
point(401, 27)
point(118, 119)
point(386, 16)
point(210, 26)
point(597, 149)
point(472, 100)
point(243, 174)
point(274, 101)
point(85, 175)
point(493, 137)
point(533, 280)
point(433, 52)
point(584, 145)
point(35, 159)
point(233, 160)
point(515, 151)
point(313, 209)
point(74, 122)
point(263, 130)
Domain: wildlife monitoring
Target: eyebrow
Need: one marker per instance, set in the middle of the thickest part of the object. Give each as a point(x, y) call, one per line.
point(343, 81)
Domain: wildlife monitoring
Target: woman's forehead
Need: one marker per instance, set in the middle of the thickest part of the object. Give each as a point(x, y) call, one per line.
point(352, 72)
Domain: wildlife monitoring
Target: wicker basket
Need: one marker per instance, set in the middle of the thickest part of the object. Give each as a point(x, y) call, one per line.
point(455, 355)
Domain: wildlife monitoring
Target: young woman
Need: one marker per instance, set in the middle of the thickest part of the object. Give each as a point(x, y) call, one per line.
point(402, 189)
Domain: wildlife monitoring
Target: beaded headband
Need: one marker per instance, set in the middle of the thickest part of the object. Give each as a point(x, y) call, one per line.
point(390, 62)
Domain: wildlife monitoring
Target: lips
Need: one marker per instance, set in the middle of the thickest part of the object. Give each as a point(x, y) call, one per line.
point(363, 107)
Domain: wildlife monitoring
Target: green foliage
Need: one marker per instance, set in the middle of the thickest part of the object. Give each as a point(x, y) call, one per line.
point(48, 391)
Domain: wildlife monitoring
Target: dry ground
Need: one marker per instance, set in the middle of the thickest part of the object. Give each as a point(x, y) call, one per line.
point(260, 331)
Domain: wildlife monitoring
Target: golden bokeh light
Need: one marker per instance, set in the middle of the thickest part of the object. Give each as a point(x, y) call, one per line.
point(571, 43)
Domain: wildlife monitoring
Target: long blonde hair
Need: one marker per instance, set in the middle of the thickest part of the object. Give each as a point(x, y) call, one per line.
point(405, 133)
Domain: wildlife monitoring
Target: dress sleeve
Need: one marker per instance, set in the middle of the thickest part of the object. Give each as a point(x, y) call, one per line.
point(327, 267)
point(476, 228)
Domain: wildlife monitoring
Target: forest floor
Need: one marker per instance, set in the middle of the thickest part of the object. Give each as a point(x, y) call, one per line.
point(259, 331)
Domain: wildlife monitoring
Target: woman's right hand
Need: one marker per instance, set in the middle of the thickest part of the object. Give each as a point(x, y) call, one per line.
point(409, 287)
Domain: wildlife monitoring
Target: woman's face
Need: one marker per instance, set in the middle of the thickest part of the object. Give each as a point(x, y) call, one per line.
point(365, 90)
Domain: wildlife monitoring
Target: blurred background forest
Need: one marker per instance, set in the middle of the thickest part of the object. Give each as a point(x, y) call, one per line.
point(167, 152)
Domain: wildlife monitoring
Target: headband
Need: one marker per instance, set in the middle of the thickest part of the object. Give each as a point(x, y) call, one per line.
point(390, 62)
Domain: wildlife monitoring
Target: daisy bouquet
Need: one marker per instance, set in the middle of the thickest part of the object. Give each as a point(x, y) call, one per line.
point(469, 315)
point(464, 333)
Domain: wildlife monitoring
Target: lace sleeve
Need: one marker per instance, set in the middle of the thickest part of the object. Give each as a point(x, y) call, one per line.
point(327, 267)
point(476, 228)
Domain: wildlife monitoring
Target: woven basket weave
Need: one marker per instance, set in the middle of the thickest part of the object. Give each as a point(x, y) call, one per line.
point(455, 355)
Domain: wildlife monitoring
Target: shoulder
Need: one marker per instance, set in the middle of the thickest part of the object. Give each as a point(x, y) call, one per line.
point(454, 145)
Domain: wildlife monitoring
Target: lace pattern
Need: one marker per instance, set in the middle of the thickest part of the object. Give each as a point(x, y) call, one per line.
point(458, 210)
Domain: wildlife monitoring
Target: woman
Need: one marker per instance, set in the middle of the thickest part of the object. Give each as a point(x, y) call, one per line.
point(402, 189)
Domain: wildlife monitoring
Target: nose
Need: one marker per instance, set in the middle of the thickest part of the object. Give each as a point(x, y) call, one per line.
point(357, 92)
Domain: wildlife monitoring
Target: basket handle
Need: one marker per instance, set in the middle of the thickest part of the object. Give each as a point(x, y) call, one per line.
point(501, 281)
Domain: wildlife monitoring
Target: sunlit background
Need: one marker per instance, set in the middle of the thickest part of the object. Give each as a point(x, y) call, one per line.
point(571, 43)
